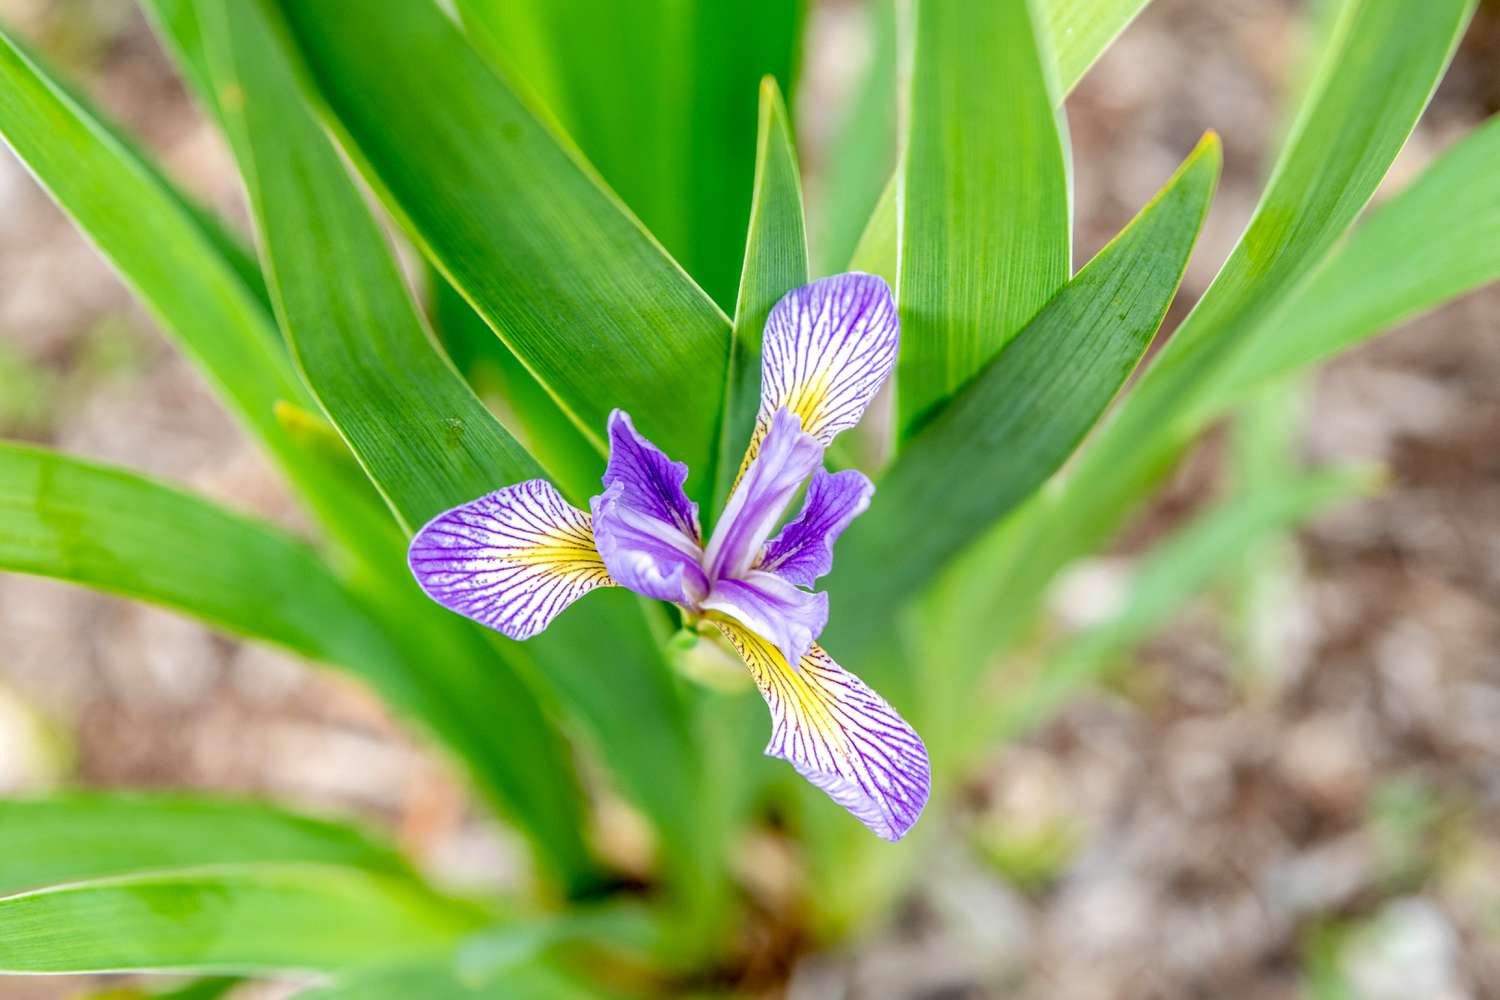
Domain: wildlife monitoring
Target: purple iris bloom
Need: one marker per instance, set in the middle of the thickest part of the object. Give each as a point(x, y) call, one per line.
point(514, 559)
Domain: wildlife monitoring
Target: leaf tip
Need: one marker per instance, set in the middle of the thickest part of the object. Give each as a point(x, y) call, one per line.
point(772, 104)
point(1210, 147)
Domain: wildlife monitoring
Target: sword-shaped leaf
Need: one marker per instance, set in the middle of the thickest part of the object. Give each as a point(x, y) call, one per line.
point(775, 263)
point(89, 835)
point(1372, 85)
point(233, 918)
point(985, 234)
point(426, 440)
point(1013, 426)
point(573, 284)
point(660, 96)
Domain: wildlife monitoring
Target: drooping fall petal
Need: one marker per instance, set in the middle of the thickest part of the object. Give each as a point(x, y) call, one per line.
point(840, 735)
point(512, 560)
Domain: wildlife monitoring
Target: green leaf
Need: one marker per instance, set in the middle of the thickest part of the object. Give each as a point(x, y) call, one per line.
point(87, 835)
point(1264, 445)
point(1209, 547)
point(175, 23)
point(207, 988)
point(1080, 31)
point(523, 406)
point(775, 263)
point(1374, 280)
point(510, 961)
point(204, 988)
point(116, 531)
point(429, 444)
point(876, 251)
point(144, 229)
point(250, 918)
point(1016, 423)
point(984, 197)
point(1363, 102)
point(422, 434)
point(862, 152)
point(229, 246)
point(1360, 110)
point(163, 251)
point(119, 532)
point(447, 981)
point(568, 279)
point(676, 139)
point(424, 438)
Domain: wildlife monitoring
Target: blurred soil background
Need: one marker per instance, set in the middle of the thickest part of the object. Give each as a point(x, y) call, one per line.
point(1293, 792)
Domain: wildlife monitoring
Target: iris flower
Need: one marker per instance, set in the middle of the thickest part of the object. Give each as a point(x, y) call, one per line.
point(515, 558)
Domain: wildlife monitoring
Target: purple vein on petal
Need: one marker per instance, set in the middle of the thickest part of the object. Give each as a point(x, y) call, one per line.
point(803, 551)
point(645, 527)
point(511, 560)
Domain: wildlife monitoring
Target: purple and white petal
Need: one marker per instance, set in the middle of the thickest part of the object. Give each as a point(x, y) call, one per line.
point(827, 349)
point(789, 618)
point(787, 458)
point(645, 527)
point(840, 735)
point(650, 482)
point(804, 549)
point(644, 554)
point(512, 560)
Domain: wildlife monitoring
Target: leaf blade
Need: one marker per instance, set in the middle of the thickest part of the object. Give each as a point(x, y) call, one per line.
point(1080, 31)
point(1016, 423)
point(775, 263)
point(1356, 102)
point(422, 435)
point(978, 259)
point(678, 145)
point(428, 443)
point(229, 919)
point(572, 283)
point(1373, 281)
point(113, 530)
point(862, 153)
point(88, 835)
point(401, 432)
point(161, 249)
point(522, 980)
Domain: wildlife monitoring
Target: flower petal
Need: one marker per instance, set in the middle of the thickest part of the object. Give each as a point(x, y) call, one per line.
point(512, 560)
point(827, 349)
point(840, 735)
point(761, 496)
point(768, 605)
point(645, 527)
point(804, 549)
point(651, 482)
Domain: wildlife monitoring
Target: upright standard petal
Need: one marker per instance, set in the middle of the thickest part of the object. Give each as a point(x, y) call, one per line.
point(761, 496)
point(804, 549)
point(512, 560)
point(840, 735)
point(828, 348)
point(645, 527)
